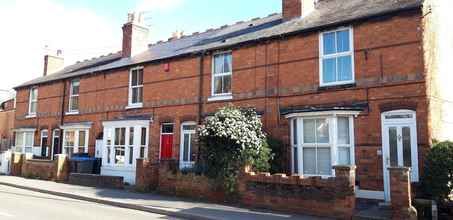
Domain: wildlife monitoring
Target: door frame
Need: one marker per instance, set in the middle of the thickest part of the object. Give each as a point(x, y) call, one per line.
point(181, 144)
point(55, 151)
point(47, 142)
point(161, 134)
point(398, 122)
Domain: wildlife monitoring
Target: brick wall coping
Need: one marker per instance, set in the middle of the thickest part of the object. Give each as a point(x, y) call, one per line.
point(344, 167)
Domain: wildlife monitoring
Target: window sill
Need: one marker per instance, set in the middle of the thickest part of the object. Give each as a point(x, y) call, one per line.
point(344, 85)
point(72, 113)
point(135, 106)
point(220, 98)
point(30, 116)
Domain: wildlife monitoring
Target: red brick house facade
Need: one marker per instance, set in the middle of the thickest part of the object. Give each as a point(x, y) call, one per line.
point(335, 84)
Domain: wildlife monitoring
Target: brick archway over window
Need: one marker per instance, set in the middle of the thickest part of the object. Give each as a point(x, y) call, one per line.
point(391, 106)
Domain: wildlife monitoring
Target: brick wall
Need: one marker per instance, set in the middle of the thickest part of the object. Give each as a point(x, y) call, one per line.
point(93, 180)
point(24, 165)
point(332, 197)
point(269, 76)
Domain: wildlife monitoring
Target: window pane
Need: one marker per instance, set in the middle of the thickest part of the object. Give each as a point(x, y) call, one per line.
point(227, 63)
point(189, 127)
point(33, 107)
point(344, 156)
point(343, 41)
point(226, 84)
point(140, 77)
point(393, 143)
point(120, 138)
point(407, 157)
point(309, 131)
point(131, 136)
point(322, 131)
point(74, 103)
point(185, 156)
point(140, 95)
point(309, 160)
point(217, 85)
point(69, 138)
point(119, 155)
point(295, 130)
point(109, 137)
point(296, 160)
point(28, 139)
point(75, 87)
point(143, 139)
point(324, 162)
point(167, 128)
point(82, 138)
point(218, 64)
point(329, 70)
point(134, 80)
point(329, 43)
point(135, 95)
point(19, 139)
point(108, 154)
point(344, 68)
point(131, 155)
point(142, 152)
point(343, 131)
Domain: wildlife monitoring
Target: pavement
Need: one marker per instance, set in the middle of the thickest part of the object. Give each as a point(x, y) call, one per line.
point(18, 204)
point(151, 203)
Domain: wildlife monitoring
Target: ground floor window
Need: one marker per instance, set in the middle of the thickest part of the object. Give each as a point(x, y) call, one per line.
point(75, 141)
point(125, 141)
point(319, 142)
point(188, 131)
point(24, 141)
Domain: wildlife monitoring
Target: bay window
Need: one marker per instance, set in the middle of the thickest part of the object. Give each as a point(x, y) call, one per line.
point(221, 74)
point(318, 142)
point(75, 141)
point(336, 57)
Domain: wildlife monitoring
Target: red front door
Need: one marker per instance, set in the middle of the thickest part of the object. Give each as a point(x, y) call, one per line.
point(166, 146)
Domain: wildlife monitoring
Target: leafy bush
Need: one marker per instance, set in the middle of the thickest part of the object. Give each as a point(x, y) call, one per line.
point(278, 151)
point(437, 180)
point(231, 139)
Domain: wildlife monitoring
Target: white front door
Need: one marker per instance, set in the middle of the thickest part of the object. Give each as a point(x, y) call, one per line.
point(187, 138)
point(399, 144)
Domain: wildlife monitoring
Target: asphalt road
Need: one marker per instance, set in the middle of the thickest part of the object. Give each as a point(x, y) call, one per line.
point(22, 204)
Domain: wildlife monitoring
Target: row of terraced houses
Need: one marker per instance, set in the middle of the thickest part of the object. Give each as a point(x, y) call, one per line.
point(353, 82)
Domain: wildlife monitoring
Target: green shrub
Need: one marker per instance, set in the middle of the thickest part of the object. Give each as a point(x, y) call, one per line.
point(437, 179)
point(230, 139)
point(278, 151)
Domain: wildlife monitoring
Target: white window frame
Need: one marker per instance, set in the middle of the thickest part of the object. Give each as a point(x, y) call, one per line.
point(132, 105)
point(189, 163)
point(109, 129)
point(30, 101)
point(72, 95)
point(336, 55)
point(221, 96)
point(333, 137)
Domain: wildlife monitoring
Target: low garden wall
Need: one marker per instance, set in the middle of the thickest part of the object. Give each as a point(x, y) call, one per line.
point(24, 165)
point(94, 180)
point(331, 197)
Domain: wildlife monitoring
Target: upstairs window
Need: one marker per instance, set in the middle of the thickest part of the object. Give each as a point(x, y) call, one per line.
point(33, 101)
point(136, 87)
point(337, 57)
point(221, 74)
point(74, 96)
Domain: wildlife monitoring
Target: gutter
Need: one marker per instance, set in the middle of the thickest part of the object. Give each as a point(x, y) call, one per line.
point(257, 40)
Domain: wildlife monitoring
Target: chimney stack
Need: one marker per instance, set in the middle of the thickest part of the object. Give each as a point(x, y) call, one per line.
point(297, 8)
point(135, 35)
point(53, 64)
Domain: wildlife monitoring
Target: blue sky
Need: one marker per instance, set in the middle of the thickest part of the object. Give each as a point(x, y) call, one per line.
point(89, 28)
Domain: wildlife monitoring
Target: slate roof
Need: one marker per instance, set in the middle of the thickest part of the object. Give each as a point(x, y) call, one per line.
point(329, 13)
